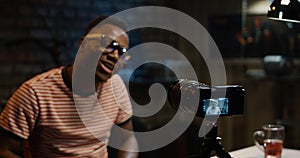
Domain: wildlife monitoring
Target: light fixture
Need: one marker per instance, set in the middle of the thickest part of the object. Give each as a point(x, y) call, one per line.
point(285, 10)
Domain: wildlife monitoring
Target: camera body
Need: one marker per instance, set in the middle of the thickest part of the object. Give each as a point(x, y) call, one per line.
point(225, 100)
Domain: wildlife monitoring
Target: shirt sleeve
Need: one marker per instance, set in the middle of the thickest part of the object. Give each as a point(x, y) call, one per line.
point(123, 100)
point(20, 113)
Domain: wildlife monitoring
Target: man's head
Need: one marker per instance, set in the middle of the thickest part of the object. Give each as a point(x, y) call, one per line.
point(103, 20)
point(111, 31)
point(213, 102)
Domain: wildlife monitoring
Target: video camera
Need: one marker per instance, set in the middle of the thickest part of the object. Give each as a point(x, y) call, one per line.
point(225, 100)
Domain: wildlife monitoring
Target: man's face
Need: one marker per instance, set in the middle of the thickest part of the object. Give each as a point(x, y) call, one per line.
point(107, 63)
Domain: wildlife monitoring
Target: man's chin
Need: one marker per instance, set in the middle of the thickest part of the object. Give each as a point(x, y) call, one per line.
point(102, 78)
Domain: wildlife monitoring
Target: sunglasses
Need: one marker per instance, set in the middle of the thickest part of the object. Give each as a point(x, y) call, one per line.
point(110, 45)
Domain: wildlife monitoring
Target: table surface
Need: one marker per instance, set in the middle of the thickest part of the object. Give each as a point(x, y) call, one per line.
point(254, 152)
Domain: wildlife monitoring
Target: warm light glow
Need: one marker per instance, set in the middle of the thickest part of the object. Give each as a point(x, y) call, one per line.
point(273, 8)
point(257, 7)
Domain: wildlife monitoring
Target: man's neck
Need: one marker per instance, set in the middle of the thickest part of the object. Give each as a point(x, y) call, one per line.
point(67, 73)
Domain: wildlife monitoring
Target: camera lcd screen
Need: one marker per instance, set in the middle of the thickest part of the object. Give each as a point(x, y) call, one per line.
point(218, 106)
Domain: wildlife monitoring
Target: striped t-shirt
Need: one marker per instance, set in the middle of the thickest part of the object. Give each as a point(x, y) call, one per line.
point(43, 112)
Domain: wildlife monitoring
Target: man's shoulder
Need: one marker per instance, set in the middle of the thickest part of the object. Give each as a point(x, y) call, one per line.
point(46, 76)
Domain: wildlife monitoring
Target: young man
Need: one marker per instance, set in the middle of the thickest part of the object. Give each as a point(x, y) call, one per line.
point(41, 119)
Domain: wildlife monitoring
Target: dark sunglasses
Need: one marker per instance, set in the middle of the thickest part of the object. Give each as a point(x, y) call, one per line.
point(111, 45)
point(114, 45)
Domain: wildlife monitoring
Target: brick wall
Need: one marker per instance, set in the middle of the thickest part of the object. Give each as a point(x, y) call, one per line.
point(36, 35)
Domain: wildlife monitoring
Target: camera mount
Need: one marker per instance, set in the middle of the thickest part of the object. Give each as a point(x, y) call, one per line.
point(211, 142)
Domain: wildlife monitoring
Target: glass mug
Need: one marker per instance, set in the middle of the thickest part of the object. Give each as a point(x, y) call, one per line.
point(271, 140)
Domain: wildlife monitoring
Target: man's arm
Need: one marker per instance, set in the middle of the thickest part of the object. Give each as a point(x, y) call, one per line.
point(11, 146)
point(129, 142)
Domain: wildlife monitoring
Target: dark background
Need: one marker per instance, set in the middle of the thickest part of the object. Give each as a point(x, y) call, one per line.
point(36, 35)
